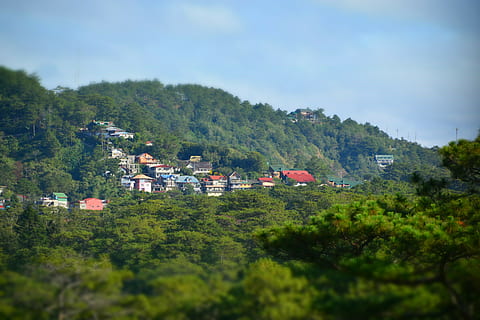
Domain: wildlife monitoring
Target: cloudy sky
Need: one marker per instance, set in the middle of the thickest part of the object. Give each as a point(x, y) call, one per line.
point(410, 67)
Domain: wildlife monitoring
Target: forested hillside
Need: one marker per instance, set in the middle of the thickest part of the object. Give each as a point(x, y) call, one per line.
point(214, 117)
point(42, 148)
point(397, 246)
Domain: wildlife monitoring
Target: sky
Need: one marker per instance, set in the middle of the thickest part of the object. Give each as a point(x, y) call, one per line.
point(410, 67)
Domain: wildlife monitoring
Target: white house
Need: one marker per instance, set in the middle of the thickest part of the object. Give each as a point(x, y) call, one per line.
point(156, 170)
point(117, 153)
point(200, 168)
point(384, 160)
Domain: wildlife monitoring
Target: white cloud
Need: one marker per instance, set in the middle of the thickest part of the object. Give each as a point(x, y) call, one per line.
point(204, 18)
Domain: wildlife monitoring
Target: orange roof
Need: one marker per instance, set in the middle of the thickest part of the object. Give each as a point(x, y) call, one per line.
point(218, 177)
point(145, 155)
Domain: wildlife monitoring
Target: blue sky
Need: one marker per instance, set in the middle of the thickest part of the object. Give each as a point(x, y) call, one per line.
point(410, 67)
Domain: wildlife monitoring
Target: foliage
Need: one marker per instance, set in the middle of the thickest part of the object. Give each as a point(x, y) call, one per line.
point(462, 158)
point(414, 257)
point(377, 251)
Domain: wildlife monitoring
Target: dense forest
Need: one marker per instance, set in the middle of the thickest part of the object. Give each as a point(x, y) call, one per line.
point(403, 244)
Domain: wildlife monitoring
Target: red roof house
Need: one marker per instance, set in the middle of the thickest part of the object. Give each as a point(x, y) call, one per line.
point(300, 176)
point(214, 185)
point(91, 204)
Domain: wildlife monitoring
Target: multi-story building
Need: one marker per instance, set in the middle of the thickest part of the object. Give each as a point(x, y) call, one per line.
point(200, 167)
point(57, 199)
point(384, 160)
point(129, 165)
point(183, 182)
point(156, 170)
point(214, 185)
point(235, 182)
point(142, 183)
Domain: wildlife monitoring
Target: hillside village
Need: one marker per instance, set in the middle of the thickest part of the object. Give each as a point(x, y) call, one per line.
point(139, 216)
point(144, 173)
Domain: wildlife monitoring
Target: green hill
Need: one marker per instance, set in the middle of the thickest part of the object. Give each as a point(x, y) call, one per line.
point(214, 117)
point(41, 141)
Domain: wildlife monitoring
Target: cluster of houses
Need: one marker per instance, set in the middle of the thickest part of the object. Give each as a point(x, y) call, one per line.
point(158, 177)
point(145, 173)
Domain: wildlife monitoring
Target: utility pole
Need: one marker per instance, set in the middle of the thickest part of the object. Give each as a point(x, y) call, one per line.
point(456, 134)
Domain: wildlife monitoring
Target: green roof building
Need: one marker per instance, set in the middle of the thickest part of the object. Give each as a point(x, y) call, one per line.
point(342, 183)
